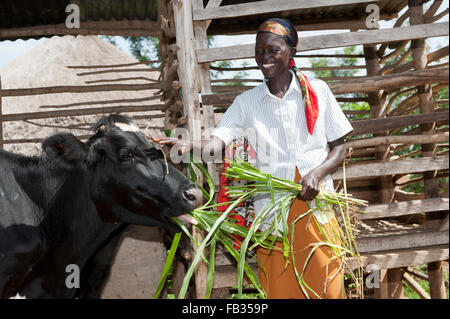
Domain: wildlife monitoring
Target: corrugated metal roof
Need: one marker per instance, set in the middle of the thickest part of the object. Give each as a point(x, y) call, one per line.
point(388, 10)
point(27, 13)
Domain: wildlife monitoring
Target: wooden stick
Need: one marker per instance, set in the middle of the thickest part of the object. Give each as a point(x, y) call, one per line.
point(110, 65)
point(80, 89)
point(80, 112)
point(416, 287)
point(122, 79)
point(433, 9)
point(120, 71)
point(151, 98)
point(433, 56)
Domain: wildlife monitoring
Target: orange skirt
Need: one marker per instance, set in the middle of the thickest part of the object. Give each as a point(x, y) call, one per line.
point(322, 275)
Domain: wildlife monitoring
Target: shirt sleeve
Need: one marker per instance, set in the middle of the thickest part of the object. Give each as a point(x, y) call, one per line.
point(232, 124)
point(336, 123)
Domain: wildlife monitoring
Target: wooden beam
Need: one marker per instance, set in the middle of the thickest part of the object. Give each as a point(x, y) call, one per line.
point(120, 28)
point(376, 125)
point(80, 112)
point(332, 41)
point(404, 208)
point(80, 89)
point(361, 85)
point(267, 6)
point(401, 241)
point(390, 82)
point(398, 139)
point(405, 166)
point(406, 257)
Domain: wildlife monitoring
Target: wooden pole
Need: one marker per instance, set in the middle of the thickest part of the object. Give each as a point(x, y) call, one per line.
point(188, 73)
point(1, 116)
point(201, 41)
point(437, 288)
point(378, 102)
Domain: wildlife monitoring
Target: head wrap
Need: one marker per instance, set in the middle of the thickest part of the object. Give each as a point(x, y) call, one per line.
point(285, 30)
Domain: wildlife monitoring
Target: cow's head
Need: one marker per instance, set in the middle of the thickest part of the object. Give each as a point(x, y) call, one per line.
point(130, 180)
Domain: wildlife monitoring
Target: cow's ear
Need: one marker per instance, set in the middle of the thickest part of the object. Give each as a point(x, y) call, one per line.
point(96, 152)
point(66, 149)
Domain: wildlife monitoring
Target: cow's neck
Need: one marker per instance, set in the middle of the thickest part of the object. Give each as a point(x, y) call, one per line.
point(72, 223)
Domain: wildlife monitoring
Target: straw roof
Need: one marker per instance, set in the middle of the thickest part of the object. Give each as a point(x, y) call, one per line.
point(48, 65)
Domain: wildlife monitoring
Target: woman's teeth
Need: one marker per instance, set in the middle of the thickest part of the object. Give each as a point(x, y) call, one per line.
point(268, 65)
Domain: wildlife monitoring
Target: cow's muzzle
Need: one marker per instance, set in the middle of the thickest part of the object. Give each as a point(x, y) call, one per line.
point(193, 197)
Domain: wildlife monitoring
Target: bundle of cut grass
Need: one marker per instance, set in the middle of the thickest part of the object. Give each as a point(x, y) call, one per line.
point(220, 228)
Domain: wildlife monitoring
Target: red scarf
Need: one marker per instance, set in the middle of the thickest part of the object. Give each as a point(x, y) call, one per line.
point(309, 97)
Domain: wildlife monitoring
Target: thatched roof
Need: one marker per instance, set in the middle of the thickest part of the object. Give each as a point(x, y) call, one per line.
point(47, 65)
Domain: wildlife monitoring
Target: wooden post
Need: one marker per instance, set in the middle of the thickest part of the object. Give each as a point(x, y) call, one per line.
point(201, 40)
point(382, 292)
point(1, 116)
point(378, 103)
point(437, 289)
point(188, 74)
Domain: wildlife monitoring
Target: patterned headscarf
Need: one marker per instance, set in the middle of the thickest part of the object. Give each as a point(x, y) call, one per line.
point(285, 30)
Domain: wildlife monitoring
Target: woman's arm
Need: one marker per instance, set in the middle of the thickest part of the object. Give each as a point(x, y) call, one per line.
point(311, 182)
point(212, 146)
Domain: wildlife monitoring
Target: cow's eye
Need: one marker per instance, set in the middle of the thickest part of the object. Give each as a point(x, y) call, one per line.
point(128, 156)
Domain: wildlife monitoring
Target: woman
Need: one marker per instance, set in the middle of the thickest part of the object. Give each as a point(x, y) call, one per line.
point(297, 129)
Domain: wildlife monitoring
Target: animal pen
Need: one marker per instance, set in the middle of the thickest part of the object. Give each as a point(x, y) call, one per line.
point(401, 140)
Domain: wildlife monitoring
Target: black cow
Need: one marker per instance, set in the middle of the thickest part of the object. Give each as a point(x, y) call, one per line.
point(69, 206)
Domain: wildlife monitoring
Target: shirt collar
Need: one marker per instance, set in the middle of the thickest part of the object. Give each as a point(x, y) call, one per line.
point(294, 86)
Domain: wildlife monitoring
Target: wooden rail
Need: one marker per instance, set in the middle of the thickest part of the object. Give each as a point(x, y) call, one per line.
point(268, 6)
point(404, 208)
point(405, 166)
point(332, 41)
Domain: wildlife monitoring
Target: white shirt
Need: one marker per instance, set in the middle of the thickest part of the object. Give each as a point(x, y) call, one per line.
point(277, 130)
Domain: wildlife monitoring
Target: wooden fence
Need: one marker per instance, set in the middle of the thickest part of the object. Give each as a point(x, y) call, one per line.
point(400, 85)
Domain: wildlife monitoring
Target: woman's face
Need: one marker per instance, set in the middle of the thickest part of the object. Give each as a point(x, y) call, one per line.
point(272, 54)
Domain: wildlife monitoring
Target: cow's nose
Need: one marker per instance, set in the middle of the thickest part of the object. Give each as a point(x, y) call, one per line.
point(193, 196)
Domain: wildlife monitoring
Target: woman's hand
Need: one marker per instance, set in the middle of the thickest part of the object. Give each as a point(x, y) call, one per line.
point(311, 181)
point(182, 145)
point(311, 186)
